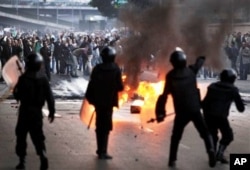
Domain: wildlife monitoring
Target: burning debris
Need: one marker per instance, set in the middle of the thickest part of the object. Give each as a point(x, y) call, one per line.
point(143, 97)
point(136, 106)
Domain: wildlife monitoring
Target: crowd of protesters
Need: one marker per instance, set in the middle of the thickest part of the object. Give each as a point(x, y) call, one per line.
point(68, 53)
point(237, 48)
point(64, 53)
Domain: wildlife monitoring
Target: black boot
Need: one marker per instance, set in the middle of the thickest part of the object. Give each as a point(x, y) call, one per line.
point(210, 151)
point(220, 154)
point(44, 162)
point(102, 144)
point(21, 164)
point(173, 151)
point(171, 164)
point(99, 142)
point(104, 154)
point(212, 159)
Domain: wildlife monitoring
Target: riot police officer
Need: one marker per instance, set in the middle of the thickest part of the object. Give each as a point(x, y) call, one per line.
point(32, 90)
point(181, 84)
point(216, 105)
point(102, 92)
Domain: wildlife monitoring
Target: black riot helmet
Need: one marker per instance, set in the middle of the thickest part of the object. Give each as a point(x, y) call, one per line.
point(108, 54)
point(34, 62)
point(228, 76)
point(178, 58)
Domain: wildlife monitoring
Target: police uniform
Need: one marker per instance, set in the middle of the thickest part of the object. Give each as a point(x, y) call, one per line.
point(181, 84)
point(102, 92)
point(216, 105)
point(32, 90)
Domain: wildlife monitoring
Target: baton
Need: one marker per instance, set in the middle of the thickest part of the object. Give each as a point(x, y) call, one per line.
point(152, 120)
point(90, 121)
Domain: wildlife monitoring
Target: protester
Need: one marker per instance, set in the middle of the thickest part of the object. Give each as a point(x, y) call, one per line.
point(93, 43)
point(52, 49)
point(7, 51)
point(46, 54)
point(245, 61)
point(57, 54)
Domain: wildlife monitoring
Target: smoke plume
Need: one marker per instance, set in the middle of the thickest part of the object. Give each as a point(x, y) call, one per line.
point(163, 25)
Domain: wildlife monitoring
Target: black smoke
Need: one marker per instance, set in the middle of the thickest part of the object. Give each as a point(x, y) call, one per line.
point(198, 27)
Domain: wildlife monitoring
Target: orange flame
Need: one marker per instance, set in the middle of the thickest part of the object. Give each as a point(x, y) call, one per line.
point(149, 91)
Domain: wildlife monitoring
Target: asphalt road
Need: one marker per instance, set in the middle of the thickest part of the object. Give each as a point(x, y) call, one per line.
point(134, 144)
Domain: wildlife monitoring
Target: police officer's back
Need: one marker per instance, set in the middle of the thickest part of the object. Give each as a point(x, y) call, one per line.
point(181, 84)
point(102, 92)
point(32, 90)
point(216, 106)
point(221, 94)
point(105, 81)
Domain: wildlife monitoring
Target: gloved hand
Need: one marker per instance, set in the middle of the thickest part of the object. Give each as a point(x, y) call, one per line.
point(201, 58)
point(160, 117)
point(51, 117)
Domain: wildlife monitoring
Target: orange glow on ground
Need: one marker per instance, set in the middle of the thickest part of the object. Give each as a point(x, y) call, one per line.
point(150, 92)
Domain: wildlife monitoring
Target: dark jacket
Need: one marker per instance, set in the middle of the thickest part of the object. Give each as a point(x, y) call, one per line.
point(17, 50)
point(46, 53)
point(58, 50)
point(32, 90)
point(181, 84)
point(104, 85)
point(67, 54)
point(219, 98)
point(7, 52)
point(27, 49)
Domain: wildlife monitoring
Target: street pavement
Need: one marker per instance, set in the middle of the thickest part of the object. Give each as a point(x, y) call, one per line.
point(134, 144)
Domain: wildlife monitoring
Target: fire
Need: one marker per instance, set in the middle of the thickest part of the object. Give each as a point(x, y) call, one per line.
point(123, 98)
point(124, 77)
point(148, 91)
point(142, 99)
